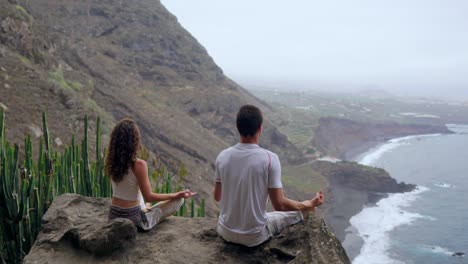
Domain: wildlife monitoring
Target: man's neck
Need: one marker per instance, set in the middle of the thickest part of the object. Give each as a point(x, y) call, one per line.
point(249, 140)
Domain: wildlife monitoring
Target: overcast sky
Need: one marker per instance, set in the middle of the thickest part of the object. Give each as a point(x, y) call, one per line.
point(404, 46)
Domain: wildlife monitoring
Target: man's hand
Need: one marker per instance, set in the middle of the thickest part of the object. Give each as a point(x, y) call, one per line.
point(314, 202)
point(184, 194)
point(318, 199)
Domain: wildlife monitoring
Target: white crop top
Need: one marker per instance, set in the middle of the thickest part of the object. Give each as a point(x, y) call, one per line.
point(128, 189)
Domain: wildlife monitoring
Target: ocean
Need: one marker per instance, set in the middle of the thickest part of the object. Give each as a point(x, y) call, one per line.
point(429, 224)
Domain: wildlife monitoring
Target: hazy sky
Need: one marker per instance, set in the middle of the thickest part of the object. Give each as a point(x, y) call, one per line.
point(405, 46)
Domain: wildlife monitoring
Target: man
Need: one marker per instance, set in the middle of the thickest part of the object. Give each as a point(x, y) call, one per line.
point(246, 175)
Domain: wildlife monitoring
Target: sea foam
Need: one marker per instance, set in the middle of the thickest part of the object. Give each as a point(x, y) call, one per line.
point(373, 225)
point(437, 250)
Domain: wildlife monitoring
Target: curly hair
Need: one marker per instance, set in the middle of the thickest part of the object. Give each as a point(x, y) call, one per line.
point(123, 147)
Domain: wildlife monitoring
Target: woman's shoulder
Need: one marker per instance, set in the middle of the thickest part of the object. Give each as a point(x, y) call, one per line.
point(139, 165)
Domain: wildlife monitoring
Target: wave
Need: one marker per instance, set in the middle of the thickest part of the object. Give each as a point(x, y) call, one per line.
point(457, 125)
point(329, 159)
point(373, 225)
point(374, 154)
point(458, 128)
point(444, 185)
point(437, 250)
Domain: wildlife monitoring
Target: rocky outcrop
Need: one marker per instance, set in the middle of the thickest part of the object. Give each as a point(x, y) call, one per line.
point(360, 177)
point(76, 231)
point(344, 138)
point(83, 221)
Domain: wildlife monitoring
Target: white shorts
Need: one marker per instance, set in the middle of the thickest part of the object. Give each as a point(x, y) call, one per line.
point(276, 222)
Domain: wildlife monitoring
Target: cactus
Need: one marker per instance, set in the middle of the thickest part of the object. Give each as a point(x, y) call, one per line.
point(192, 208)
point(28, 188)
point(202, 208)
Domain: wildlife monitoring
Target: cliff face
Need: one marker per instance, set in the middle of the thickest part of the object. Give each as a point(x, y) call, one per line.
point(76, 231)
point(343, 138)
point(118, 59)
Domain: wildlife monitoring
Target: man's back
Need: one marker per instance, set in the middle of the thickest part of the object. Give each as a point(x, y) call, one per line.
point(246, 175)
point(246, 171)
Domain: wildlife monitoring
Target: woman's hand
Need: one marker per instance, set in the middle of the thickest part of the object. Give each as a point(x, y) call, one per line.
point(184, 194)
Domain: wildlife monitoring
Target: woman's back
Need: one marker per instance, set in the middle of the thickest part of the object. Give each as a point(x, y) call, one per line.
point(127, 190)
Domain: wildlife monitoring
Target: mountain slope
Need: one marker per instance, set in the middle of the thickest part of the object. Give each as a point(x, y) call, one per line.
point(118, 59)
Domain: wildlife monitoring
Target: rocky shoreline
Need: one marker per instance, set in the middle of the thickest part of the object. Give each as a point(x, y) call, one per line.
point(351, 187)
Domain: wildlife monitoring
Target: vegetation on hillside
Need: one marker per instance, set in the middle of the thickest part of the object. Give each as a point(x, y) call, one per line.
point(28, 187)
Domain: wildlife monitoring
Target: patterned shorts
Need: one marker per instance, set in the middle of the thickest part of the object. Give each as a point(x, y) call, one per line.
point(144, 220)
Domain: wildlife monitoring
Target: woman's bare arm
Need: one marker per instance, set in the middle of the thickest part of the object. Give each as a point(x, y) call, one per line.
point(140, 169)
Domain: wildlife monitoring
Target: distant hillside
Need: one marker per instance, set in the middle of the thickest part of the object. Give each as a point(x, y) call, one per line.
point(118, 59)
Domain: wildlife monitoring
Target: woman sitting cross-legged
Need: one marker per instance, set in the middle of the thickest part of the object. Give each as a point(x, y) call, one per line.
point(130, 182)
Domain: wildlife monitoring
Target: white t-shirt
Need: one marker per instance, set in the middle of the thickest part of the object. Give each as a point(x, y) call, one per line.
point(246, 171)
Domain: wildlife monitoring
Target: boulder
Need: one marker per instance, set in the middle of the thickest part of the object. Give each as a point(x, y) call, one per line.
point(82, 221)
point(76, 231)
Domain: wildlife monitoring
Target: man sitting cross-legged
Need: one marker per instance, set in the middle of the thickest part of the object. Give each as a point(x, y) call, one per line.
point(246, 175)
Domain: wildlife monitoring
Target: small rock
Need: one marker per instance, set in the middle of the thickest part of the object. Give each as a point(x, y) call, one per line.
point(3, 69)
point(58, 142)
point(3, 106)
point(7, 86)
point(35, 130)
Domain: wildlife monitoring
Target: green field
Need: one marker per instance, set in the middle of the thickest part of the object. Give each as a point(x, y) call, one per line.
point(303, 178)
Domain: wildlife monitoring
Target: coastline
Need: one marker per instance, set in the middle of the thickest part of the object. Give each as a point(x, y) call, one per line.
point(349, 202)
point(354, 153)
point(352, 187)
point(352, 141)
point(354, 202)
point(353, 242)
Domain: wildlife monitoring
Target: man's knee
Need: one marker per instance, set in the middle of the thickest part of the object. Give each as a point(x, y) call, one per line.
point(278, 221)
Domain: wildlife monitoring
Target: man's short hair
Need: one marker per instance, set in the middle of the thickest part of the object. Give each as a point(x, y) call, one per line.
point(249, 120)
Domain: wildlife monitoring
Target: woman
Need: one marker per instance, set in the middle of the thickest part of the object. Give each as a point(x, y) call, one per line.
point(130, 182)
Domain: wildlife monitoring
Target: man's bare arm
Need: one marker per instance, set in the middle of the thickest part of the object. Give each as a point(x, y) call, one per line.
point(282, 203)
point(217, 191)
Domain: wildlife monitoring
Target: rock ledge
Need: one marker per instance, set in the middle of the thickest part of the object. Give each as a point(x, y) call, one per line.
point(76, 230)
